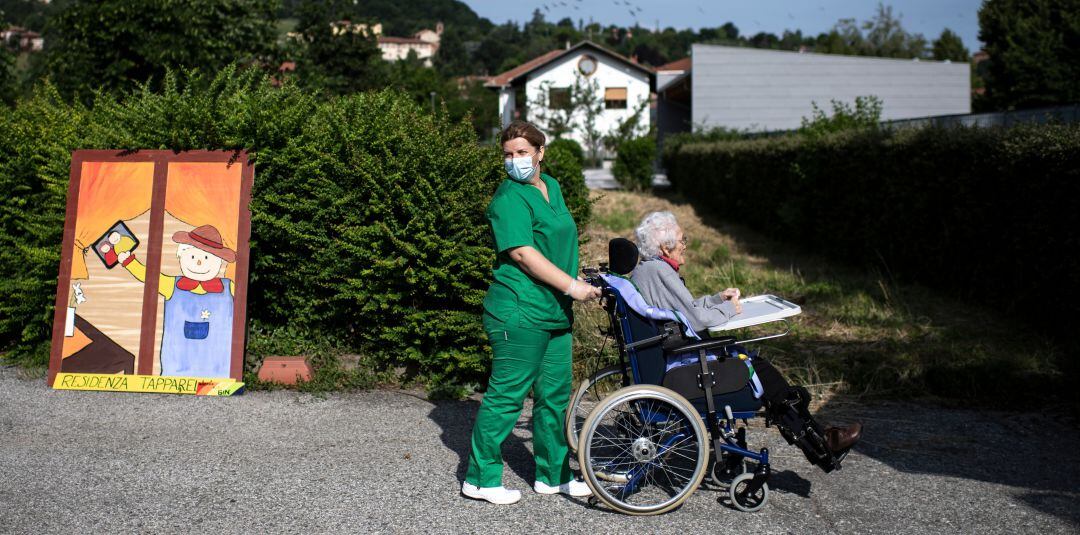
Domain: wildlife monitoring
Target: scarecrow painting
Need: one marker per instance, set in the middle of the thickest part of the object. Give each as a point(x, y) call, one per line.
point(153, 272)
point(197, 334)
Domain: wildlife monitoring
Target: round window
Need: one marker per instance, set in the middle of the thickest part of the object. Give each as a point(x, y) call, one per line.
point(587, 65)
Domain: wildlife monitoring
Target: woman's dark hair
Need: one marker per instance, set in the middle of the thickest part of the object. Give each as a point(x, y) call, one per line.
point(525, 129)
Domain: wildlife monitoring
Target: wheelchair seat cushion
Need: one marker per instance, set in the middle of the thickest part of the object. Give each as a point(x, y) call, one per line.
point(741, 400)
point(729, 375)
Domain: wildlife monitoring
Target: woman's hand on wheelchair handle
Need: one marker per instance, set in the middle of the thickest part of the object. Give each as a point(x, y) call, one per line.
point(582, 290)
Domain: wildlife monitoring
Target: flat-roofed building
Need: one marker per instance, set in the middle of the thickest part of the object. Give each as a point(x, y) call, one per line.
point(767, 90)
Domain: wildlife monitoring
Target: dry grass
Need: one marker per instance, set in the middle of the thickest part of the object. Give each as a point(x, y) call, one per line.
point(861, 331)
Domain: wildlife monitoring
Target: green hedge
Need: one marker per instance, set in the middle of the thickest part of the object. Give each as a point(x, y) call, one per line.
point(367, 212)
point(563, 160)
point(633, 166)
point(987, 214)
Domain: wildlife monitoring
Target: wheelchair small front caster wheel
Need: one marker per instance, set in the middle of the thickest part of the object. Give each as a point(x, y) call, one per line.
point(743, 500)
point(593, 501)
point(721, 473)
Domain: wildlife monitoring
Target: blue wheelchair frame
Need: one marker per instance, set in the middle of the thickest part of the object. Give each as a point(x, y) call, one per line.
point(725, 436)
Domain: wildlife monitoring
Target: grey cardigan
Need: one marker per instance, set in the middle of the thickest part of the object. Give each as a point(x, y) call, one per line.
point(662, 287)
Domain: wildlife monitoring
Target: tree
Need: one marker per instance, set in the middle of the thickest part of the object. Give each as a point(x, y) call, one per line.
point(881, 36)
point(31, 14)
point(844, 38)
point(885, 37)
point(581, 106)
point(7, 70)
point(949, 46)
point(336, 52)
point(1032, 46)
point(764, 40)
point(628, 128)
point(113, 44)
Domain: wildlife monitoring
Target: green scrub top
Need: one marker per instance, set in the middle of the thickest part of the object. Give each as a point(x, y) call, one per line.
point(520, 216)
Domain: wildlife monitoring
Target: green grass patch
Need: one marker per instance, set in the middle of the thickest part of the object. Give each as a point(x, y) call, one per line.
point(617, 220)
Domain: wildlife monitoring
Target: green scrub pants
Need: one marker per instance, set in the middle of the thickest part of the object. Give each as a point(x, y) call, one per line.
point(523, 358)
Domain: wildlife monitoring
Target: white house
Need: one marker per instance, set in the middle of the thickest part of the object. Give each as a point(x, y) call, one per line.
point(763, 90)
point(22, 39)
point(424, 43)
point(540, 88)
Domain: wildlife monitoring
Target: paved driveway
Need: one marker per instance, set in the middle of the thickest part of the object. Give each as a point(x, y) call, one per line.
point(390, 461)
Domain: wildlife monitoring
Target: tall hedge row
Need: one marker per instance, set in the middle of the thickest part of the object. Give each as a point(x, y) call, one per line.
point(367, 211)
point(989, 214)
point(563, 160)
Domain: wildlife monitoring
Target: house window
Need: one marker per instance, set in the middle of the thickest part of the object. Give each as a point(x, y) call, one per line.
point(559, 98)
point(587, 65)
point(615, 98)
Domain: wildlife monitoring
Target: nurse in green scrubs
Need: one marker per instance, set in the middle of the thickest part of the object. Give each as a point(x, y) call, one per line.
point(528, 316)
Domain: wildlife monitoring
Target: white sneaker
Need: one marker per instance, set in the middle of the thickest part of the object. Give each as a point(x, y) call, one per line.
point(497, 495)
point(574, 488)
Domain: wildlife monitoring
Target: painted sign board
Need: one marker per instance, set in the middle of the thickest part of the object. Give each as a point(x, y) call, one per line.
point(153, 271)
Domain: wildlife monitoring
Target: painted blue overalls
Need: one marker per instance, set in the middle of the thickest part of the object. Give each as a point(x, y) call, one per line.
point(197, 335)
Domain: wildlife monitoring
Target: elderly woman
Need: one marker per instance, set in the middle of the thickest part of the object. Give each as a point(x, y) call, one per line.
point(662, 244)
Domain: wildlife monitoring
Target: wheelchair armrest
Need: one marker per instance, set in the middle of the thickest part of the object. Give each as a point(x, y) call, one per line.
point(703, 344)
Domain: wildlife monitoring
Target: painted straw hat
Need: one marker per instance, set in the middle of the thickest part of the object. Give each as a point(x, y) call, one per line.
point(206, 238)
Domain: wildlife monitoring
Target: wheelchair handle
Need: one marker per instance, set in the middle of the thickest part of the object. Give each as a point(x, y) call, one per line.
point(592, 275)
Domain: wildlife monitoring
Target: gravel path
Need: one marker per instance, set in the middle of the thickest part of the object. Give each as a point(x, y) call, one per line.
point(390, 461)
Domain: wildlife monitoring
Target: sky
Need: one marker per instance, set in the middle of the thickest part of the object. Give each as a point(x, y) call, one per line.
point(927, 17)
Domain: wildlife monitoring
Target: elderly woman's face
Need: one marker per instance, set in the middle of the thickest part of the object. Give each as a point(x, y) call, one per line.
point(678, 252)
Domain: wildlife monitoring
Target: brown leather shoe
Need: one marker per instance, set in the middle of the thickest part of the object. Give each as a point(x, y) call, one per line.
point(840, 439)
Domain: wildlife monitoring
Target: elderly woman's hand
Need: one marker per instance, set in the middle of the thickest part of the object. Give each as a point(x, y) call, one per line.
point(732, 294)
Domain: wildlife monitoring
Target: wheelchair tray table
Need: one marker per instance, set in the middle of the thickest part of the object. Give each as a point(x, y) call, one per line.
point(757, 310)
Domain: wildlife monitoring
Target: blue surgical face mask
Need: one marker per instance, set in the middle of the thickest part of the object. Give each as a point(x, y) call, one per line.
point(520, 169)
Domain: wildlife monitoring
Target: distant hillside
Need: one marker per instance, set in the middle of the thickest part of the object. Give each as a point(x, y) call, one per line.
point(401, 18)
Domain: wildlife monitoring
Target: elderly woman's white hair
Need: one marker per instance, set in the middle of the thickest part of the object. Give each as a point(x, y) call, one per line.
point(657, 229)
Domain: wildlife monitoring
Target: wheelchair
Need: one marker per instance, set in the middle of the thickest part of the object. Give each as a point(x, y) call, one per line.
point(644, 430)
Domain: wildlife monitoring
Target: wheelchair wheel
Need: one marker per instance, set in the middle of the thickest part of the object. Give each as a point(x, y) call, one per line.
point(643, 450)
point(587, 396)
point(743, 500)
point(720, 473)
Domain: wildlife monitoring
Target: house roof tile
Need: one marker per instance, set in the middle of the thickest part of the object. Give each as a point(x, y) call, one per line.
point(677, 65)
point(504, 79)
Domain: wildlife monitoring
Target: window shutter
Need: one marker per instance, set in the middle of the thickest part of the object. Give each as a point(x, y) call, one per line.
point(615, 93)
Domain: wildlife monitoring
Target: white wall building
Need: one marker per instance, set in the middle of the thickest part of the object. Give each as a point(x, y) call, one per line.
point(766, 90)
point(425, 43)
point(542, 87)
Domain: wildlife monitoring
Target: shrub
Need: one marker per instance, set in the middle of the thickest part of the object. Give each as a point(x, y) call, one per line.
point(865, 114)
point(367, 211)
point(633, 166)
point(570, 145)
point(562, 162)
point(975, 212)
